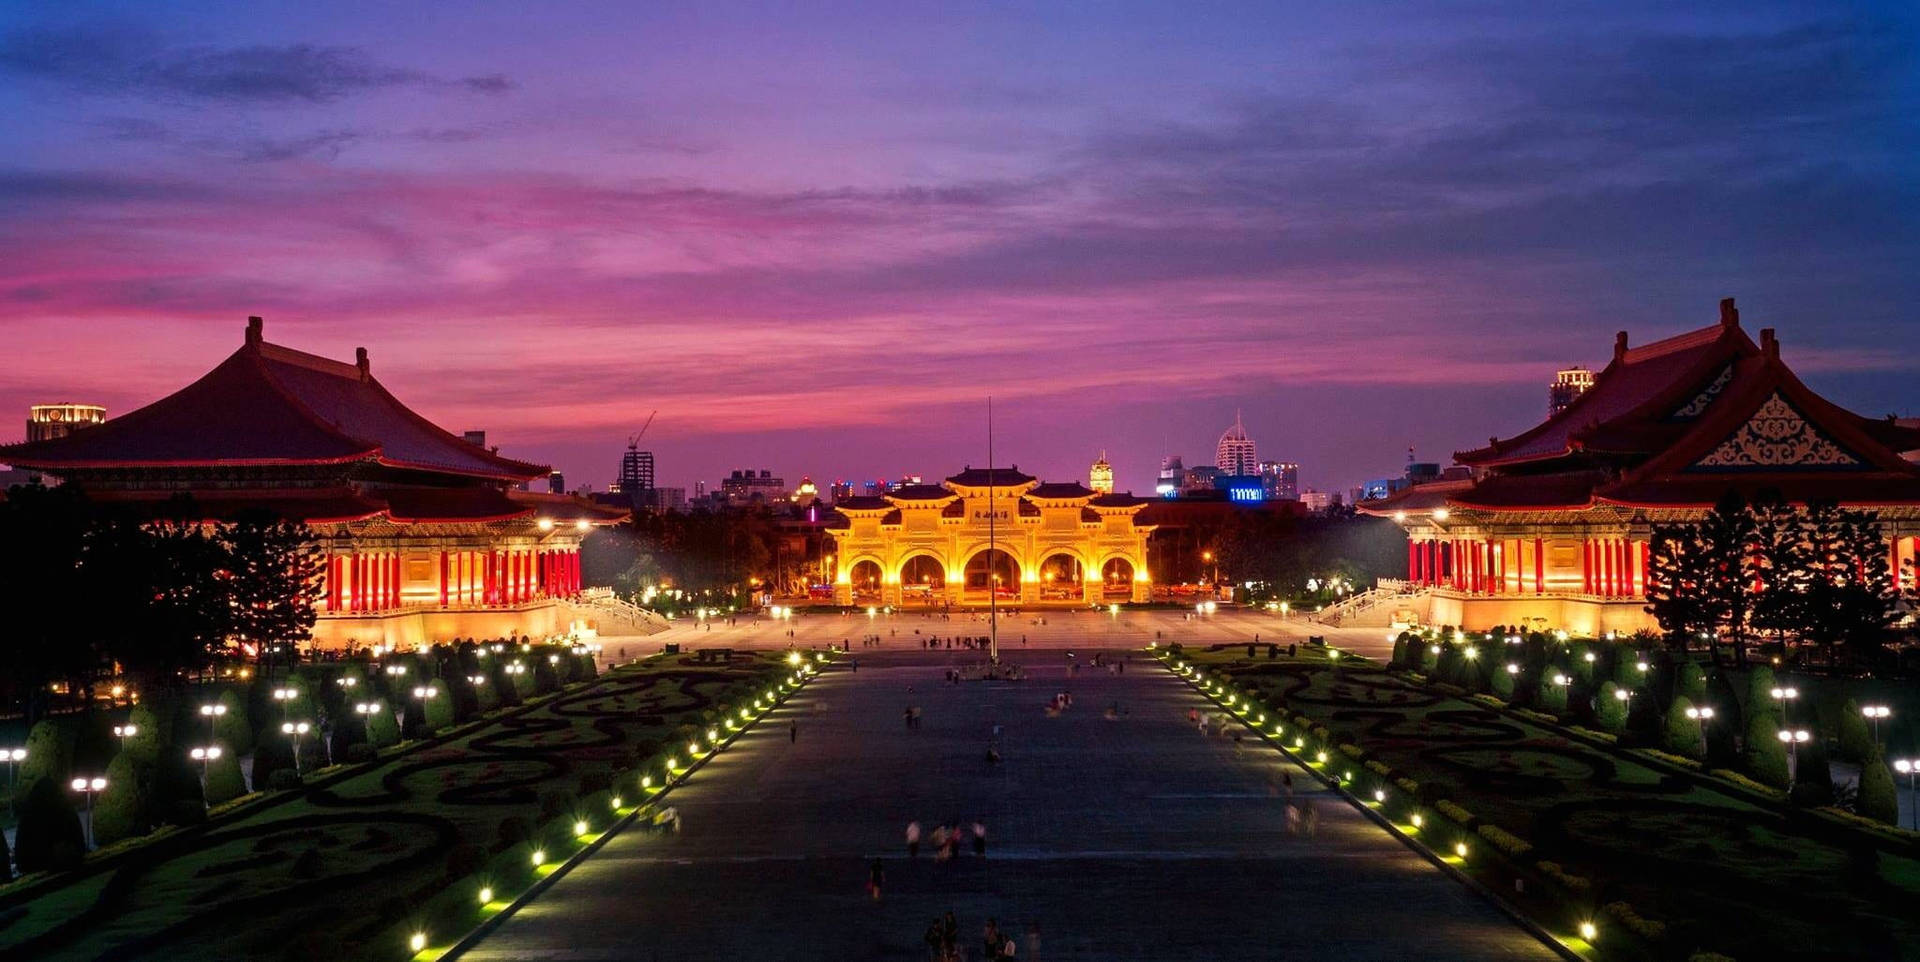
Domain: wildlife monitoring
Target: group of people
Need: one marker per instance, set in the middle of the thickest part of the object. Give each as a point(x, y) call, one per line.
point(947, 838)
point(943, 940)
point(970, 642)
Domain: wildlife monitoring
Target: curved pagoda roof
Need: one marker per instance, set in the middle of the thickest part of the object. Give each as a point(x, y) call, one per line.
point(1677, 424)
point(272, 405)
point(1009, 477)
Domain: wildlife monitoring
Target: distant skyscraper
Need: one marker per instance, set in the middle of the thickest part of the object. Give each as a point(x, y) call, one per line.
point(805, 494)
point(1100, 476)
point(747, 486)
point(840, 491)
point(1567, 385)
point(556, 483)
point(1235, 455)
point(636, 473)
point(1172, 474)
point(1281, 479)
point(59, 420)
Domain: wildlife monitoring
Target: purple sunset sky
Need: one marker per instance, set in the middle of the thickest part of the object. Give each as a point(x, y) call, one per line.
point(816, 236)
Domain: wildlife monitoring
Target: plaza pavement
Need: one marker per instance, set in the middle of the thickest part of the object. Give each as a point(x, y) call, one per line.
point(1132, 838)
point(1070, 628)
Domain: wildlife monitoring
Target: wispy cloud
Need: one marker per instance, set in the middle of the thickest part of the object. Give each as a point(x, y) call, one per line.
point(132, 62)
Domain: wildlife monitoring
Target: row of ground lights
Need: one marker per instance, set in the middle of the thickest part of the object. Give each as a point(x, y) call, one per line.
point(673, 772)
point(1320, 761)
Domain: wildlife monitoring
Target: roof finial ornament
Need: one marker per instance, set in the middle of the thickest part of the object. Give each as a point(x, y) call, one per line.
point(1729, 315)
point(360, 361)
point(254, 326)
point(1619, 345)
point(1769, 344)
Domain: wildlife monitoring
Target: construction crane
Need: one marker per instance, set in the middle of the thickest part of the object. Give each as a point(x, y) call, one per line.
point(636, 469)
point(633, 440)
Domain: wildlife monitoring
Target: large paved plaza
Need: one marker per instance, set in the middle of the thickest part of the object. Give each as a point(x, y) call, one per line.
point(1069, 628)
point(1136, 837)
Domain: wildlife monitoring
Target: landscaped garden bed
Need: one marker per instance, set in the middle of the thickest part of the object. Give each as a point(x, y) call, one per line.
point(357, 864)
point(1663, 860)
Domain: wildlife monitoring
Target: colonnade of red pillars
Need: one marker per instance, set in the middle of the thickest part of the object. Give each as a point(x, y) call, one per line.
point(372, 581)
point(1611, 567)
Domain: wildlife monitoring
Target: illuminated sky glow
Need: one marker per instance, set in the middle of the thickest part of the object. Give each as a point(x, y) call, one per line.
point(816, 236)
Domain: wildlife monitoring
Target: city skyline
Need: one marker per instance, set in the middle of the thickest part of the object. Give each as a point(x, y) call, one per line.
point(838, 232)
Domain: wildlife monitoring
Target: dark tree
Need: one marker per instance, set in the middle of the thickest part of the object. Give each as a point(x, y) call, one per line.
point(1780, 557)
point(1850, 594)
point(41, 589)
point(159, 595)
point(273, 581)
point(1680, 570)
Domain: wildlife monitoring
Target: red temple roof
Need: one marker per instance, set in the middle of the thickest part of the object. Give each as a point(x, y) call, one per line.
point(1680, 425)
point(271, 405)
point(1633, 399)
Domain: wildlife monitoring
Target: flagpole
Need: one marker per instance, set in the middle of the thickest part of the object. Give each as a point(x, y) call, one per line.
point(993, 551)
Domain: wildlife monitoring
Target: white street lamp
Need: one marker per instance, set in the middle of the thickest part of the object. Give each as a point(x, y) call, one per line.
point(124, 732)
point(13, 756)
point(1910, 767)
point(295, 729)
point(1794, 739)
point(205, 756)
point(1874, 713)
point(210, 713)
point(90, 786)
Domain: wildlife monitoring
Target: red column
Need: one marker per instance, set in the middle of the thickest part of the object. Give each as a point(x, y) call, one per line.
point(1539, 567)
point(399, 580)
point(1586, 565)
point(573, 573)
point(333, 583)
point(443, 579)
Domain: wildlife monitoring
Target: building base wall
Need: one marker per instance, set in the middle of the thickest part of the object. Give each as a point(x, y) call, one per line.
point(1578, 615)
point(427, 626)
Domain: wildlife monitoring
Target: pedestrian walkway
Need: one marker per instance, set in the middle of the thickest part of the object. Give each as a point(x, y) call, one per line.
point(1130, 838)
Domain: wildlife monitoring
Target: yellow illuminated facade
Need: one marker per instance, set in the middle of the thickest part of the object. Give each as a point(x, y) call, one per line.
point(975, 536)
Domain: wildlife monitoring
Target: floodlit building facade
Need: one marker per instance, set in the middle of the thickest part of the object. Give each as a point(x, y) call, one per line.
point(1552, 530)
point(985, 534)
point(425, 534)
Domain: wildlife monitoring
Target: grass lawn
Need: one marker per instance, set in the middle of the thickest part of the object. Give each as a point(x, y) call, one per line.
point(324, 874)
point(1724, 874)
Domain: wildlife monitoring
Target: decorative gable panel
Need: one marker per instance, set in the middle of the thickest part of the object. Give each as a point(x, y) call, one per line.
point(1778, 436)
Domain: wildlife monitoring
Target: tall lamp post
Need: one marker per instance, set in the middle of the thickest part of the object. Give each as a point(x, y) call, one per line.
point(296, 730)
point(205, 756)
point(1702, 715)
point(1794, 740)
point(14, 756)
point(211, 713)
point(1910, 767)
point(1780, 698)
point(124, 732)
point(1874, 713)
point(89, 786)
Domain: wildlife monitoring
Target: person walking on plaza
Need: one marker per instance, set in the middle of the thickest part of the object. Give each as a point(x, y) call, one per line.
point(979, 840)
point(876, 875)
point(793, 732)
point(913, 839)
